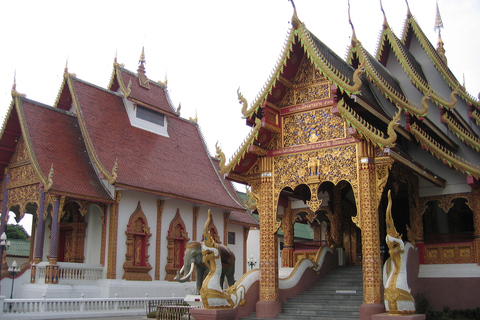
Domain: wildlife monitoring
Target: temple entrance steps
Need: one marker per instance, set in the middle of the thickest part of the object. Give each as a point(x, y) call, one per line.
point(337, 296)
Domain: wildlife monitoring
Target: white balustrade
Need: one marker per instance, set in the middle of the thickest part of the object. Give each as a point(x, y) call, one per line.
point(72, 272)
point(97, 305)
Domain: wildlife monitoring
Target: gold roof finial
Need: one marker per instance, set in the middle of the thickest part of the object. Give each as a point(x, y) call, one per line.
point(295, 21)
point(409, 14)
point(385, 23)
point(141, 62)
point(15, 93)
point(65, 70)
point(14, 86)
point(438, 26)
point(354, 36)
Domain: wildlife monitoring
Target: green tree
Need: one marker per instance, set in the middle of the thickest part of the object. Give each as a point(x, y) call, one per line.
point(16, 231)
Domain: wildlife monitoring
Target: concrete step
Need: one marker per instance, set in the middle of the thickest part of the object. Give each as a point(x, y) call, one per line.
point(337, 296)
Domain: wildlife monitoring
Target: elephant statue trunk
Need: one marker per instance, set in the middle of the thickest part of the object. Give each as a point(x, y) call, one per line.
point(193, 258)
point(187, 276)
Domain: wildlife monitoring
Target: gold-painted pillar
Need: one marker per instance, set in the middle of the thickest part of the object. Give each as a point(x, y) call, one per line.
point(268, 305)
point(371, 263)
point(475, 199)
point(112, 238)
point(288, 237)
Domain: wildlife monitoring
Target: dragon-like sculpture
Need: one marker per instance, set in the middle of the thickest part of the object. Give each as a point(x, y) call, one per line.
point(213, 297)
point(367, 130)
point(398, 299)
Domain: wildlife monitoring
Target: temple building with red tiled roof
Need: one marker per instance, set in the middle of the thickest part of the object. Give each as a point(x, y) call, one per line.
point(117, 183)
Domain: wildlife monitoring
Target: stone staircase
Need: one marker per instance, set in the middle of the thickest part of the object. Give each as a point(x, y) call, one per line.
point(337, 296)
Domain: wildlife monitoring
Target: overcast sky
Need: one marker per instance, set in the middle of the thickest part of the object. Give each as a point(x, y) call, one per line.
point(206, 49)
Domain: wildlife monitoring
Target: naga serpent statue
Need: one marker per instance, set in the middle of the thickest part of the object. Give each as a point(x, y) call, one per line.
point(398, 299)
point(213, 297)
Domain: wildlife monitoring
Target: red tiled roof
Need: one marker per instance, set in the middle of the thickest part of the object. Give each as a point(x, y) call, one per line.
point(236, 217)
point(177, 166)
point(56, 139)
point(242, 218)
point(153, 97)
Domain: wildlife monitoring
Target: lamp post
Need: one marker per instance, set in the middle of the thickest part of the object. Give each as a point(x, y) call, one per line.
point(4, 244)
point(13, 270)
point(251, 262)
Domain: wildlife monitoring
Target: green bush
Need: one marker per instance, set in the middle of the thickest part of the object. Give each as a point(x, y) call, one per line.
point(422, 306)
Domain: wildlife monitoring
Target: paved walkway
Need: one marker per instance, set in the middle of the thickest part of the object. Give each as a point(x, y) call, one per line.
point(110, 318)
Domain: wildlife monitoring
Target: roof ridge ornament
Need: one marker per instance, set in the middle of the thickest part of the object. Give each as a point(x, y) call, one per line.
point(409, 13)
point(385, 23)
point(15, 93)
point(142, 78)
point(354, 36)
point(438, 26)
point(295, 20)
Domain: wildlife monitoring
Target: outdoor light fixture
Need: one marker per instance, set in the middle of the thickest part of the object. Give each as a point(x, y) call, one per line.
point(4, 244)
point(252, 262)
point(14, 271)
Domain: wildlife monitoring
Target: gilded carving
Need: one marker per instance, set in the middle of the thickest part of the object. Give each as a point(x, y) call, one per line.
point(177, 238)
point(334, 164)
point(449, 253)
point(312, 126)
point(136, 263)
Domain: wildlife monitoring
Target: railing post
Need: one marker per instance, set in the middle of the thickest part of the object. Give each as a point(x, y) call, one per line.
point(2, 301)
point(43, 306)
point(115, 306)
point(82, 303)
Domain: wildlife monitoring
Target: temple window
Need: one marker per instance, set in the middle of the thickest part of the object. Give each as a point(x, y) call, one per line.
point(150, 115)
point(136, 264)
point(177, 239)
point(456, 225)
point(231, 237)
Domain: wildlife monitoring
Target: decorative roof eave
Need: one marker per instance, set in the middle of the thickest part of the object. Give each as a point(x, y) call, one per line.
point(366, 130)
point(46, 181)
point(476, 117)
point(110, 177)
point(419, 169)
point(242, 150)
point(413, 75)
point(176, 196)
point(116, 73)
point(328, 71)
point(80, 196)
point(437, 60)
point(391, 94)
point(443, 154)
point(461, 133)
point(401, 130)
point(275, 75)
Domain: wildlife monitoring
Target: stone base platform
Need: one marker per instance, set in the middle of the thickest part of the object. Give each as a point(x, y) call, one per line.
point(386, 316)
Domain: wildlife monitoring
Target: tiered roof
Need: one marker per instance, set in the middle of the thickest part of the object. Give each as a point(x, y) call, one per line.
point(369, 97)
point(88, 140)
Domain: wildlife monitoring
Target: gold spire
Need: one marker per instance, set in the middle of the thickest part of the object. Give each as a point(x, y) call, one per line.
point(15, 93)
point(142, 78)
point(438, 26)
point(295, 21)
point(141, 62)
point(354, 36)
point(385, 23)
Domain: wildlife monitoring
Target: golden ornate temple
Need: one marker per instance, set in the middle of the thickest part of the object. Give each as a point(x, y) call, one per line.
point(330, 137)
